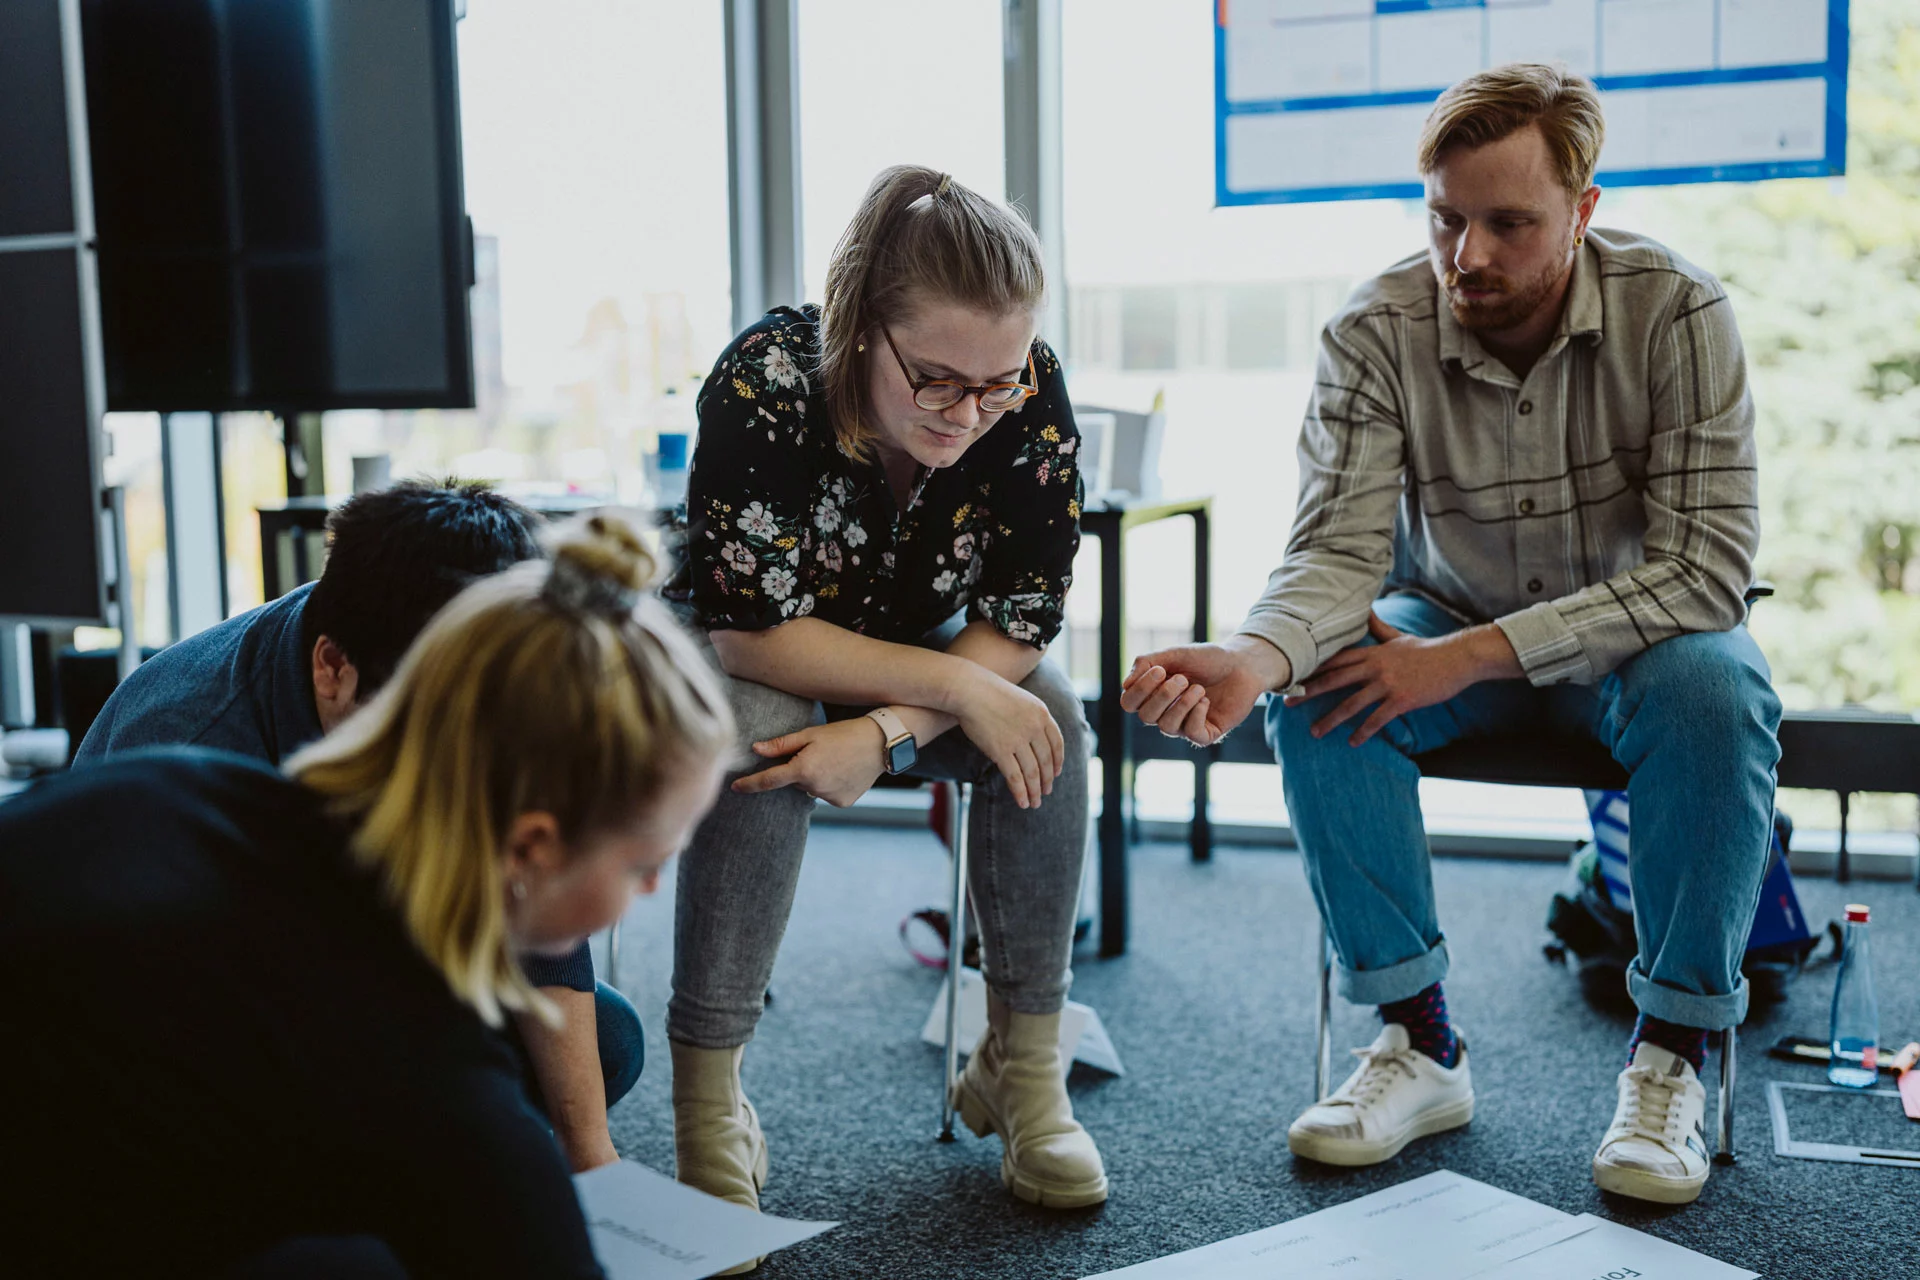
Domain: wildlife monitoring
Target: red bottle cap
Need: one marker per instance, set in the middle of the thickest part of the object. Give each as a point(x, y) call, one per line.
point(1856, 914)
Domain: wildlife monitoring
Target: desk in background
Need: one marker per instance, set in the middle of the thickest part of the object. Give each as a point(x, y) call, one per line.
point(289, 555)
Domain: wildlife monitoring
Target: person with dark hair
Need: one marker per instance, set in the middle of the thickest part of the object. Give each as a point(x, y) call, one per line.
point(396, 556)
point(270, 681)
point(882, 518)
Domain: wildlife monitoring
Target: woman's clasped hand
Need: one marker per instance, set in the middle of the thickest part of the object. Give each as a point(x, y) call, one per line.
point(1015, 731)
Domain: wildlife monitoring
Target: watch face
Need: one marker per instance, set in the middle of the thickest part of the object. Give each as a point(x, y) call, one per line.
point(901, 754)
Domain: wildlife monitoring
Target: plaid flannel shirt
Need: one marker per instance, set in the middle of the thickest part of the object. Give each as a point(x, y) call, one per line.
point(1600, 505)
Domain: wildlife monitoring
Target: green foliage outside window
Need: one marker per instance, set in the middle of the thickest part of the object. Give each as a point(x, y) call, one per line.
point(1825, 280)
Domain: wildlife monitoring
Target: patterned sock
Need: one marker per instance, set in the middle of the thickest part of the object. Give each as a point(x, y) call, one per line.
point(1425, 1018)
point(1684, 1042)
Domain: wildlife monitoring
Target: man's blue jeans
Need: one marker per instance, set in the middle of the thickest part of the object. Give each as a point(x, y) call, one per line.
point(1693, 720)
point(623, 1049)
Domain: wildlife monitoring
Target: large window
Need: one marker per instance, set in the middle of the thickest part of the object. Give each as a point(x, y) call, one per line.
point(253, 474)
point(133, 465)
point(1214, 310)
point(595, 156)
point(1824, 277)
point(906, 82)
point(1198, 327)
point(1209, 313)
point(596, 171)
point(596, 175)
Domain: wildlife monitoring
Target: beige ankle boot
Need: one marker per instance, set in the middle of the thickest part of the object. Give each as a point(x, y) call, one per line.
point(717, 1144)
point(1014, 1086)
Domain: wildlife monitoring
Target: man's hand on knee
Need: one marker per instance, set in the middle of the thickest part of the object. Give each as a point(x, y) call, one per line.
point(1400, 673)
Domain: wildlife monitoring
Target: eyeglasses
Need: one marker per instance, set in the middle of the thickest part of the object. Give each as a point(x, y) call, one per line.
point(935, 394)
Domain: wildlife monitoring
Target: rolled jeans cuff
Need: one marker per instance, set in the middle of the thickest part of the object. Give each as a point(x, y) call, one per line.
point(1395, 982)
point(1684, 1008)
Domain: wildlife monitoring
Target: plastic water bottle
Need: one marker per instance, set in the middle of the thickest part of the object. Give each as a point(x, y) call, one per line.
point(670, 475)
point(1855, 1039)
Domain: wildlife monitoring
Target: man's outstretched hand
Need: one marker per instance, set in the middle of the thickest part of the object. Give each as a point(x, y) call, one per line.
point(1201, 691)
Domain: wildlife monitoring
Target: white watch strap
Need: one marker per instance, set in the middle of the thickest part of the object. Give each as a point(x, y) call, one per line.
point(890, 724)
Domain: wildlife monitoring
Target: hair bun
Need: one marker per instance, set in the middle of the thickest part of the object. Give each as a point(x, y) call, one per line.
point(600, 566)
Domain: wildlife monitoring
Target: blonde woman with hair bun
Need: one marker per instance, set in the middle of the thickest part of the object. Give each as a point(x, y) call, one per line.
point(305, 969)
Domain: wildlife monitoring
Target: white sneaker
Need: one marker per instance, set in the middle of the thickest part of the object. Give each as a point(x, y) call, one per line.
point(1397, 1095)
point(1653, 1150)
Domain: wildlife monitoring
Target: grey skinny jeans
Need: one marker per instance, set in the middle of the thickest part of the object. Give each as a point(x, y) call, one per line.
point(737, 875)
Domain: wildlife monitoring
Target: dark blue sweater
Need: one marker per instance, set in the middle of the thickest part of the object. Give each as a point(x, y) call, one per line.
point(246, 686)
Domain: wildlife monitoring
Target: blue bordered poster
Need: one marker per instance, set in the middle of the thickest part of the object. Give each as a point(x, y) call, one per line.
point(1323, 99)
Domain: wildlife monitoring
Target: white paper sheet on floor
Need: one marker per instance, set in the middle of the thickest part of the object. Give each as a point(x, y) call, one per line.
point(1438, 1227)
point(1083, 1037)
point(646, 1226)
point(1606, 1249)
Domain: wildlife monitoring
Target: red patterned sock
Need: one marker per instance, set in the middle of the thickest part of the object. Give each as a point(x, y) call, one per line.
point(1425, 1018)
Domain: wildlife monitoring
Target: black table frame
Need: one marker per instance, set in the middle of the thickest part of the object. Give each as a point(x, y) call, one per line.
point(1111, 524)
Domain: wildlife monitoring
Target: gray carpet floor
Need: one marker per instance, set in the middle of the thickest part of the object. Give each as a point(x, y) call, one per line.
point(1211, 1011)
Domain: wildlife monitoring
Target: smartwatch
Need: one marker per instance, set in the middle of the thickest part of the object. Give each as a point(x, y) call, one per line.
point(901, 750)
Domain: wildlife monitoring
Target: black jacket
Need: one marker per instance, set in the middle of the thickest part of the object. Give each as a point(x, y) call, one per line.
point(215, 1034)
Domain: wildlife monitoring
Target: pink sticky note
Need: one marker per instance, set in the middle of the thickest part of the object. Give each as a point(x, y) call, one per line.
point(1910, 1093)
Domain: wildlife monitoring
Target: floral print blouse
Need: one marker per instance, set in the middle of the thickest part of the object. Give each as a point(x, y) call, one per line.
point(782, 523)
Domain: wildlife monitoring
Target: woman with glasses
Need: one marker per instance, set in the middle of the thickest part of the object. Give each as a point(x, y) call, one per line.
point(883, 512)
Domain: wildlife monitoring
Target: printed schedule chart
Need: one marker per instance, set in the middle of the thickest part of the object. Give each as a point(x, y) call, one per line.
point(1323, 99)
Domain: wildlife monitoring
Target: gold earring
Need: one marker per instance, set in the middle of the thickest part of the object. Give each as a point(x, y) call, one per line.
point(861, 347)
point(1578, 241)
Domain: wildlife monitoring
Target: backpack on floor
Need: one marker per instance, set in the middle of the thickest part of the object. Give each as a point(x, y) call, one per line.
point(1592, 919)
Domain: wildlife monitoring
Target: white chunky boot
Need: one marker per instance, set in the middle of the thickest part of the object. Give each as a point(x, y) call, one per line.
point(717, 1144)
point(1014, 1086)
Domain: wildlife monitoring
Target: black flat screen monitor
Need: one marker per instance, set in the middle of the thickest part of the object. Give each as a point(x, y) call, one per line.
point(50, 534)
point(278, 197)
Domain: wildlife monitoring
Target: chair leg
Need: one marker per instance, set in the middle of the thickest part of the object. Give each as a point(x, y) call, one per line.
point(1729, 1041)
point(956, 949)
point(1323, 1021)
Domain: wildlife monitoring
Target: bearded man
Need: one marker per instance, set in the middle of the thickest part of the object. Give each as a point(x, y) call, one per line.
point(1527, 503)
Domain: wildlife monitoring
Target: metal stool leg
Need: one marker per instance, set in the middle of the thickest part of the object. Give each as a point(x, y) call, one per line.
point(1729, 1041)
point(613, 953)
point(1323, 1021)
point(956, 948)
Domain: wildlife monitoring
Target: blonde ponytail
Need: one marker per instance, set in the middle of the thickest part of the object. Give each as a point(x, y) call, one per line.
point(554, 686)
